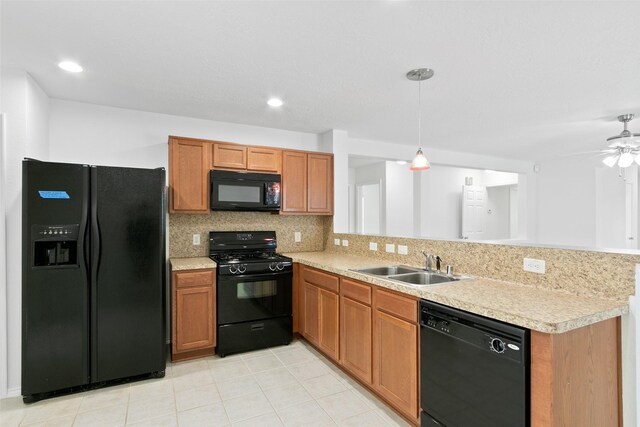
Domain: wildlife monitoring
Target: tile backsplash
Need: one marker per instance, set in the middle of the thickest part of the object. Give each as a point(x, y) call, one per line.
point(182, 227)
point(580, 272)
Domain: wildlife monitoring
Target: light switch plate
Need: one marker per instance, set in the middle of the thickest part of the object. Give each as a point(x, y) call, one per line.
point(390, 247)
point(373, 246)
point(297, 236)
point(345, 243)
point(403, 250)
point(336, 242)
point(534, 265)
point(196, 239)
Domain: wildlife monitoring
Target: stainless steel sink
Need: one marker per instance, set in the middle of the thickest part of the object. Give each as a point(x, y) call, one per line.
point(410, 275)
point(424, 278)
point(390, 270)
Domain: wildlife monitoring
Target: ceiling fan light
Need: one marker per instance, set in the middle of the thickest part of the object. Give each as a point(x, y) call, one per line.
point(625, 160)
point(420, 162)
point(610, 160)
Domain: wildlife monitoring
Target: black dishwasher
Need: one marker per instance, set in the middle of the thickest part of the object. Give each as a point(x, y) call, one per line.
point(474, 371)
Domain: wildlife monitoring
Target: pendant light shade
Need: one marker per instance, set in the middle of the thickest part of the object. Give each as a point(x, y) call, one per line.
point(420, 162)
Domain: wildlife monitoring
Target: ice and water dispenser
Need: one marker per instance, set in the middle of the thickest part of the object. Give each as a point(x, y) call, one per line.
point(55, 245)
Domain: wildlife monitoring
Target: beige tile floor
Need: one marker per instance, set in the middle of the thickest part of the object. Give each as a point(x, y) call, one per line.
point(284, 386)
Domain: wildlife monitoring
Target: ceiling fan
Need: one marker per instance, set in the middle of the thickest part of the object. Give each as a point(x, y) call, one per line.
point(624, 148)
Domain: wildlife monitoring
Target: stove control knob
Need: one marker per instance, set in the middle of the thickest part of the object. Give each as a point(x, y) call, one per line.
point(279, 266)
point(233, 269)
point(497, 345)
point(242, 268)
point(272, 266)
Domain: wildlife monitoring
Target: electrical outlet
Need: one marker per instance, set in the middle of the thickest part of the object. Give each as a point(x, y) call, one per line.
point(297, 236)
point(373, 246)
point(196, 239)
point(403, 250)
point(534, 265)
point(336, 242)
point(345, 243)
point(390, 247)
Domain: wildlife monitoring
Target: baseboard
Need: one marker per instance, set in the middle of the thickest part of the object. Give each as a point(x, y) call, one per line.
point(13, 392)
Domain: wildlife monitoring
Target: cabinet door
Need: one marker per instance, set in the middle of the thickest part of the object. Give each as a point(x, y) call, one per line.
point(263, 159)
point(229, 156)
point(320, 185)
point(395, 362)
point(329, 323)
point(194, 326)
point(311, 321)
point(188, 175)
point(294, 182)
point(355, 338)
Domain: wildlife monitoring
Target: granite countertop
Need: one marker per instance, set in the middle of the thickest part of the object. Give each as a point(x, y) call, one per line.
point(198, 263)
point(533, 308)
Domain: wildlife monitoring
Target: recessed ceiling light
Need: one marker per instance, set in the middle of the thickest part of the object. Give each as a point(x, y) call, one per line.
point(489, 171)
point(275, 102)
point(70, 66)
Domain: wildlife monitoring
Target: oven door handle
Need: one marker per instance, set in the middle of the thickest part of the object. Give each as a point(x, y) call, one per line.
point(257, 277)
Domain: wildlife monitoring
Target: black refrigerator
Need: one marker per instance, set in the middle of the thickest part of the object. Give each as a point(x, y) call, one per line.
point(93, 276)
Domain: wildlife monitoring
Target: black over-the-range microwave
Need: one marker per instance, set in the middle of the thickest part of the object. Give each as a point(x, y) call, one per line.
point(244, 191)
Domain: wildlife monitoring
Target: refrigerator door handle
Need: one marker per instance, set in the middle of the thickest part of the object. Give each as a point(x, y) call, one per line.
point(95, 233)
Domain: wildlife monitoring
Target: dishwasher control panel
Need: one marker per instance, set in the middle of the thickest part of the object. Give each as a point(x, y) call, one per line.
point(474, 330)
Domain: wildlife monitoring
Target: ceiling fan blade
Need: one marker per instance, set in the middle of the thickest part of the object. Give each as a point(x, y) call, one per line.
point(582, 153)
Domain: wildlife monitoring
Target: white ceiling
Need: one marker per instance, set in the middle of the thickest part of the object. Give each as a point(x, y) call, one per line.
point(512, 79)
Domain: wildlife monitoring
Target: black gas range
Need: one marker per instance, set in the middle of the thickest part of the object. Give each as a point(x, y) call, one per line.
point(254, 291)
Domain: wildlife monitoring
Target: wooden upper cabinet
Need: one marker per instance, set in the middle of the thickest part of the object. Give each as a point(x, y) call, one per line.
point(264, 159)
point(189, 162)
point(229, 156)
point(320, 183)
point(307, 183)
point(294, 182)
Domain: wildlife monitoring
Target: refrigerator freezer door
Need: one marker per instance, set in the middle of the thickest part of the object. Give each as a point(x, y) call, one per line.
point(127, 272)
point(55, 289)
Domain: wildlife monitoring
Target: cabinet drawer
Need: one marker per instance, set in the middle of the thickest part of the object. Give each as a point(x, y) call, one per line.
point(185, 279)
point(405, 308)
point(320, 279)
point(355, 291)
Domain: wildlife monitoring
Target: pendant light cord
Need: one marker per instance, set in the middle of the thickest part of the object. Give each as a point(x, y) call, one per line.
point(420, 114)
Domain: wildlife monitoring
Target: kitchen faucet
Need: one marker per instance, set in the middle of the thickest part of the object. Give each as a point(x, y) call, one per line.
point(429, 258)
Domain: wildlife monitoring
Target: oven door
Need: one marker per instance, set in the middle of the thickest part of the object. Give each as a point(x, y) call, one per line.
point(253, 297)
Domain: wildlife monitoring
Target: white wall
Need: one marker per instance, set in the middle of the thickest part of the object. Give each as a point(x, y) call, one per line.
point(93, 134)
point(26, 110)
point(399, 200)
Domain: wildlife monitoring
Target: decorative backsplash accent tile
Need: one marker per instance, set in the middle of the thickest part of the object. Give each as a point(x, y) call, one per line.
point(580, 272)
point(182, 227)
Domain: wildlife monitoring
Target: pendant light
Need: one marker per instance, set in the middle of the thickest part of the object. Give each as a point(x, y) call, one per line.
point(420, 162)
point(624, 148)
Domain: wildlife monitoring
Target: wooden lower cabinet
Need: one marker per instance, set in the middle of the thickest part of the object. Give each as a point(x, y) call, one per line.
point(395, 361)
point(193, 314)
point(321, 319)
point(575, 377)
point(320, 310)
point(355, 338)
